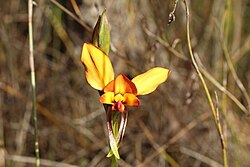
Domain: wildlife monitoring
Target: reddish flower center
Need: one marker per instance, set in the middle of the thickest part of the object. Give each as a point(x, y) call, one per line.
point(118, 106)
point(118, 103)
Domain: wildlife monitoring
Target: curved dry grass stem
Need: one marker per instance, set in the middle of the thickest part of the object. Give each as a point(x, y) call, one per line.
point(218, 125)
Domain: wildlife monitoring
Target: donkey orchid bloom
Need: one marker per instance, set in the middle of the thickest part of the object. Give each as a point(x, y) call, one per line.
point(120, 91)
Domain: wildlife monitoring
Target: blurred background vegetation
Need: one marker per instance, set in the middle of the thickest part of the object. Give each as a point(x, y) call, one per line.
point(176, 117)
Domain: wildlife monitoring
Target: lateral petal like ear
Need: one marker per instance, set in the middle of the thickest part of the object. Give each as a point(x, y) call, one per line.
point(131, 100)
point(150, 80)
point(107, 98)
point(99, 70)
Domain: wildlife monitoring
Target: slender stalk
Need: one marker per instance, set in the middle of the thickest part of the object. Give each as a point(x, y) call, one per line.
point(113, 161)
point(33, 80)
point(218, 125)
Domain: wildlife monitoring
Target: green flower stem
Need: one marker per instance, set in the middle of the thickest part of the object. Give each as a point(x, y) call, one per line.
point(115, 123)
point(115, 120)
point(113, 161)
point(115, 126)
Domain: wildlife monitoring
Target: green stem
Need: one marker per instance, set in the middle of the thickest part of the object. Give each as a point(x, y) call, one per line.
point(113, 162)
point(33, 80)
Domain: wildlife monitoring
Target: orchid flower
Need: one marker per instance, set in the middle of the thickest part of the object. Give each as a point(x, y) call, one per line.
point(119, 91)
point(116, 92)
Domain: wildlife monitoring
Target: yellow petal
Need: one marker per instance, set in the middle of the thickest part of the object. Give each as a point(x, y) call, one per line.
point(107, 98)
point(121, 85)
point(150, 80)
point(99, 70)
point(131, 100)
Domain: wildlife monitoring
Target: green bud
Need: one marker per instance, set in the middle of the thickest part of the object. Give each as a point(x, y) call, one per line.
point(101, 33)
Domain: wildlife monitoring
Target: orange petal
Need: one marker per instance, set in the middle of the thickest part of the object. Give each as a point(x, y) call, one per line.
point(131, 100)
point(107, 98)
point(150, 80)
point(121, 85)
point(99, 70)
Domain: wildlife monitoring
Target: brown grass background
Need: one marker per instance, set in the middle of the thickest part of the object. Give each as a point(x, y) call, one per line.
point(71, 120)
